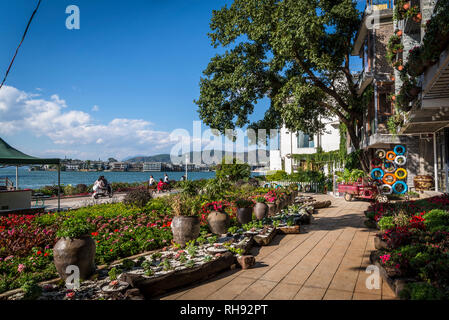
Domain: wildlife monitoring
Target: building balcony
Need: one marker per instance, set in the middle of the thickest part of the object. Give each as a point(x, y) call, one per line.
point(435, 91)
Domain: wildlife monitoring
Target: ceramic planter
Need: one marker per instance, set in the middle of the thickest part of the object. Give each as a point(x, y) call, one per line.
point(244, 215)
point(260, 210)
point(79, 252)
point(271, 209)
point(185, 229)
point(218, 222)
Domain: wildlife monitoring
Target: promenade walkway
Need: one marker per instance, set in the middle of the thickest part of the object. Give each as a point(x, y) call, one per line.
point(326, 261)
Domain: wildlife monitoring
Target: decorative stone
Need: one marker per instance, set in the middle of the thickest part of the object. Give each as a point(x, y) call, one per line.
point(134, 294)
point(321, 204)
point(289, 230)
point(246, 262)
point(265, 239)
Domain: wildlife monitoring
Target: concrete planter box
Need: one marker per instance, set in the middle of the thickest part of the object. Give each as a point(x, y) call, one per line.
point(153, 287)
point(289, 230)
point(263, 240)
point(396, 283)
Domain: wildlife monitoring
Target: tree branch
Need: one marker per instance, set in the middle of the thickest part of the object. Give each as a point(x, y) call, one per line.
point(318, 83)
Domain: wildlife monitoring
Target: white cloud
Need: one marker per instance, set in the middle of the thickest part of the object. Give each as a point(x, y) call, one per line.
point(95, 108)
point(21, 111)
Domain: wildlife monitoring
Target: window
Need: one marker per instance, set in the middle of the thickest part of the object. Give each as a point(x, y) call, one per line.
point(304, 140)
point(385, 105)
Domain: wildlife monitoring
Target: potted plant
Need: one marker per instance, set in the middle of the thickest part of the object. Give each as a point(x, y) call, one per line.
point(244, 210)
point(218, 219)
point(271, 199)
point(185, 225)
point(75, 247)
point(260, 208)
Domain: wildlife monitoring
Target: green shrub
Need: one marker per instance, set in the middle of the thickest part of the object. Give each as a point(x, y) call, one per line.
point(279, 175)
point(69, 190)
point(421, 291)
point(233, 171)
point(73, 228)
point(386, 223)
point(436, 220)
point(31, 290)
point(137, 197)
point(81, 188)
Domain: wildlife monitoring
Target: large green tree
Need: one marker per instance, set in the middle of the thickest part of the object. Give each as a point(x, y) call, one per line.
point(294, 52)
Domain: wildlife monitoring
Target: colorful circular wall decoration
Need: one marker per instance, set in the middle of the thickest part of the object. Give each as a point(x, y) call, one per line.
point(400, 160)
point(391, 172)
point(381, 153)
point(377, 173)
point(390, 155)
point(401, 173)
point(400, 187)
point(389, 167)
point(389, 178)
point(386, 189)
point(399, 150)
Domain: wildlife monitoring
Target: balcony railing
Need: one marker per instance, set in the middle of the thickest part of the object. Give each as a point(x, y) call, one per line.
point(379, 4)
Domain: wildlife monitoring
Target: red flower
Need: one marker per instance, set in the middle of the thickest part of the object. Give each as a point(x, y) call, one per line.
point(39, 252)
point(95, 234)
point(116, 230)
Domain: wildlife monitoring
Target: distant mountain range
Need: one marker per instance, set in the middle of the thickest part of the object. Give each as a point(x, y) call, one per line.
point(218, 153)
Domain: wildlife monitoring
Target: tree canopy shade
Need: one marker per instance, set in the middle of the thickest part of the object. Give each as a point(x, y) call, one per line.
point(294, 52)
point(12, 156)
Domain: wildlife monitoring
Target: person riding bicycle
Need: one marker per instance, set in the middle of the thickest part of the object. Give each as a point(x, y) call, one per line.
point(106, 185)
point(98, 184)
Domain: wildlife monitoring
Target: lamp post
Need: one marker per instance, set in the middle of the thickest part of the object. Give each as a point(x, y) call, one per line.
point(186, 165)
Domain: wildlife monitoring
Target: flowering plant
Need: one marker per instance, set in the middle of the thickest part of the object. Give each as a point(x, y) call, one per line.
point(271, 196)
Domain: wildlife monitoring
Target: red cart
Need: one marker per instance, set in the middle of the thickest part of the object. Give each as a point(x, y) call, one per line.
point(362, 189)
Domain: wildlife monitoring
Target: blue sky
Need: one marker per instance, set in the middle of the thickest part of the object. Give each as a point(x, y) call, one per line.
point(133, 65)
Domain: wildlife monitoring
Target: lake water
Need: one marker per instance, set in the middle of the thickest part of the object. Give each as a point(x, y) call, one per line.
point(38, 179)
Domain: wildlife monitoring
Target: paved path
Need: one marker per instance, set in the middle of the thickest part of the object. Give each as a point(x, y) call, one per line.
point(326, 261)
point(78, 202)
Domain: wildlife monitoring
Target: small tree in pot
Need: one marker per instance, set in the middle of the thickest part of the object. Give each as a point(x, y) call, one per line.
point(75, 247)
point(244, 210)
point(261, 208)
point(185, 225)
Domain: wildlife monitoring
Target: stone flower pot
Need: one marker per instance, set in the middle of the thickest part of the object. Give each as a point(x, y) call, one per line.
point(272, 207)
point(260, 210)
point(218, 222)
point(185, 229)
point(244, 215)
point(79, 252)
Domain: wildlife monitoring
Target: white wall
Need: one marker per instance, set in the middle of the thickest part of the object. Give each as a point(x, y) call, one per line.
point(329, 140)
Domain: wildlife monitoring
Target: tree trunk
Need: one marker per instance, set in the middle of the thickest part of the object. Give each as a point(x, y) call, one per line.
point(355, 141)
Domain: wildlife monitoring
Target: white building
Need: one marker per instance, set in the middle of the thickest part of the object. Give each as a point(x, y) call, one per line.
point(152, 166)
point(300, 143)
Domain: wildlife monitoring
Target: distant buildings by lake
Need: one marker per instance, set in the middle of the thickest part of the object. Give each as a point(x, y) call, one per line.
point(121, 166)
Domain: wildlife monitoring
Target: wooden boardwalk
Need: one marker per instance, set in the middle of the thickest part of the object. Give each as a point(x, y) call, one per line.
point(327, 261)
